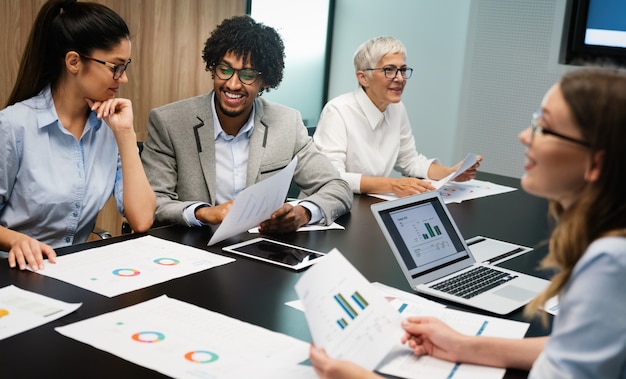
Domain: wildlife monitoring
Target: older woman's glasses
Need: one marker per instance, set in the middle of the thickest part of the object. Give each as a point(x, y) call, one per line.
point(538, 129)
point(391, 72)
point(118, 69)
point(246, 75)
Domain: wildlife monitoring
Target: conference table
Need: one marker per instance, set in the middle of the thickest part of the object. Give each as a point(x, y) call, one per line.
point(255, 291)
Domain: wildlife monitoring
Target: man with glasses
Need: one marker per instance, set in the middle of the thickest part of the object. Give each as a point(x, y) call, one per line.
point(367, 134)
point(201, 152)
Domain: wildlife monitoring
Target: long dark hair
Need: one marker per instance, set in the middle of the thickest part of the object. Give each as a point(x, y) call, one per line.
point(62, 26)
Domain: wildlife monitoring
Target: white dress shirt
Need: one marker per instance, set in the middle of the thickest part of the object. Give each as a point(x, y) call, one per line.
point(231, 166)
point(359, 139)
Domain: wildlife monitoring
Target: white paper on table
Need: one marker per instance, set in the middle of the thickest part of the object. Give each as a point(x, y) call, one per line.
point(469, 161)
point(182, 340)
point(346, 315)
point(21, 310)
point(403, 363)
point(255, 204)
point(456, 192)
point(126, 266)
point(308, 228)
point(552, 306)
point(391, 293)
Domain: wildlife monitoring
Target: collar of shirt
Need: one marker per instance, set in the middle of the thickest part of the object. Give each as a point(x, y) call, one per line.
point(374, 116)
point(247, 128)
point(43, 104)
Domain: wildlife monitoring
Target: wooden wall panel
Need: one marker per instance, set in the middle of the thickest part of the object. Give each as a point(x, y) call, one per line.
point(167, 40)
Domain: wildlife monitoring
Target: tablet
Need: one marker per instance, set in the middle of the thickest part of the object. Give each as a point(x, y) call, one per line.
point(278, 253)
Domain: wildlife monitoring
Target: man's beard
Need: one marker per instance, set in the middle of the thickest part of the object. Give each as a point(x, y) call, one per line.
point(229, 113)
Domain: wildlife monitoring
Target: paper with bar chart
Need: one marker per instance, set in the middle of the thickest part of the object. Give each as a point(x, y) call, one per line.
point(401, 361)
point(130, 265)
point(182, 340)
point(345, 314)
point(21, 310)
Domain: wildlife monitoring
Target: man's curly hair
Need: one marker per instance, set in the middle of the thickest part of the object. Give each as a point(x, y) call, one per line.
point(242, 35)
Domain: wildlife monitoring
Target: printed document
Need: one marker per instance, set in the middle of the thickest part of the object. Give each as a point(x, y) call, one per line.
point(255, 204)
point(182, 340)
point(129, 265)
point(21, 310)
point(346, 315)
point(360, 321)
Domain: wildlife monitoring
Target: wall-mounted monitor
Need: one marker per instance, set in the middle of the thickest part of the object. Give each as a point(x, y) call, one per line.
point(595, 32)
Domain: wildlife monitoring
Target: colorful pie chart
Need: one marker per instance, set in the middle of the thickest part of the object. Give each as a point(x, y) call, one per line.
point(148, 337)
point(201, 356)
point(166, 261)
point(126, 272)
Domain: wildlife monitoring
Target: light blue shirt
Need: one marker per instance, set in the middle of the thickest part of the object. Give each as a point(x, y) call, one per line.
point(231, 166)
point(588, 338)
point(52, 186)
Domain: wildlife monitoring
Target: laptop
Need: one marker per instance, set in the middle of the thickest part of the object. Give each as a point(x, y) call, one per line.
point(436, 260)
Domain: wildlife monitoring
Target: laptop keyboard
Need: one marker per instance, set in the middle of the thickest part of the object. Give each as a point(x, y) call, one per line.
point(473, 282)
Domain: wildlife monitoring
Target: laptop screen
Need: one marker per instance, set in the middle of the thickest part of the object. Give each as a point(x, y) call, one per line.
point(424, 235)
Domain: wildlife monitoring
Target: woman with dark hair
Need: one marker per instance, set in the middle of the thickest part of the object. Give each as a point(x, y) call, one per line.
point(69, 143)
point(575, 159)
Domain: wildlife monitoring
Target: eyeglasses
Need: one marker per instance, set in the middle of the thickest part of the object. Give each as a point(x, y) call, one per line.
point(118, 69)
point(246, 75)
point(538, 129)
point(391, 72)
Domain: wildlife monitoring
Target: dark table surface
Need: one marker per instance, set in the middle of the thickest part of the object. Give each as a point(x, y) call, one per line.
point(255, 291)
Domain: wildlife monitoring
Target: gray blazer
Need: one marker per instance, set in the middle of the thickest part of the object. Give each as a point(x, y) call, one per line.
point(179, 158)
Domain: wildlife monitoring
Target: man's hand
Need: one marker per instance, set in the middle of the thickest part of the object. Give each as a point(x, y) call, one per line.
point(213, 215)
point(286, 219)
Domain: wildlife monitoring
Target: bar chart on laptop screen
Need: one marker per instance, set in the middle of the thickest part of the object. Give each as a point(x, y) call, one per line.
point(423, 234)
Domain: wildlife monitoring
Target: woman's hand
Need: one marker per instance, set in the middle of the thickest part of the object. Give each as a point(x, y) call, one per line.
point(28, 251)
point(330, 368)
point(431, 336)
point(116, 112)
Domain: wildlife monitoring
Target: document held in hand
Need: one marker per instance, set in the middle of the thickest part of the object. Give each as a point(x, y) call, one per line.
point(469, 160)
point(255, 204)
point(346, 315)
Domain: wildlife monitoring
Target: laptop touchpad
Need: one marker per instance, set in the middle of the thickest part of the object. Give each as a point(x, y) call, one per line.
point(515, 293)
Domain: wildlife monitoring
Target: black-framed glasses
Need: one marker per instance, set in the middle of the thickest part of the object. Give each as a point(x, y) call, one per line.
point(538, 129)
point(118, 69)
point(391, 72)
point(246, 75)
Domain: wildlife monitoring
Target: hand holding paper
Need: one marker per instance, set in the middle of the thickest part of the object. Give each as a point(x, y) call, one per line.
point(347, 316)
point(255, 204)
point(469, 161)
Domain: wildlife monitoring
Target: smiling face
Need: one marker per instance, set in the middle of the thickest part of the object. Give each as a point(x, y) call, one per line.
point(96, 79)
point(234, 99)
point(555, 168)
point(381, 90)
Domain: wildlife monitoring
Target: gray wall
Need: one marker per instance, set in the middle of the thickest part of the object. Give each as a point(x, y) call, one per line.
point(481, 69)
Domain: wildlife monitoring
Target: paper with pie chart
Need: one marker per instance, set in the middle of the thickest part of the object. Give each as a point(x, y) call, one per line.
point(126, 266)
point(182, 340)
